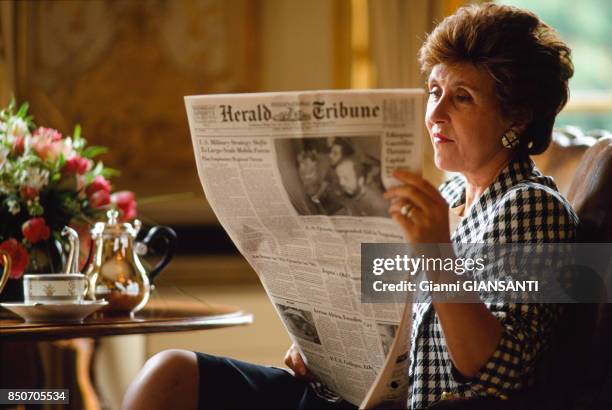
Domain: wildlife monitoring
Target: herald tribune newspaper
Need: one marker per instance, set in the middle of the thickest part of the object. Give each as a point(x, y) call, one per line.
point(297, 181)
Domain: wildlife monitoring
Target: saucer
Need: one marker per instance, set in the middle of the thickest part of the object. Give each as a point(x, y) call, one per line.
point(55, 312)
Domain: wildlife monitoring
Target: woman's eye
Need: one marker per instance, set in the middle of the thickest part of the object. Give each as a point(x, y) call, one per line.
point(464, 98)
point(434, 92)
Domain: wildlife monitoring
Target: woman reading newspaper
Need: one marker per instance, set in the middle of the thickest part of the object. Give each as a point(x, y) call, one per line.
point(497, 77)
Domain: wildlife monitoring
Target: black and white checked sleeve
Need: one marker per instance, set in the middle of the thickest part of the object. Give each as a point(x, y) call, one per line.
point(527, 213)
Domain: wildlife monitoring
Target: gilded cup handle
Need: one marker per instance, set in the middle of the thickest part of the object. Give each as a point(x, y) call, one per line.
point(6, 261)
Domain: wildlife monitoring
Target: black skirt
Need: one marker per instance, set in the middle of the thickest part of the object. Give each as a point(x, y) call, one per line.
point(233, 384)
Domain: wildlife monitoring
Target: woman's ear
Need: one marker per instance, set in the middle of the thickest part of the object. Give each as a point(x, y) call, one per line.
point(519, 127)
point(520, 122)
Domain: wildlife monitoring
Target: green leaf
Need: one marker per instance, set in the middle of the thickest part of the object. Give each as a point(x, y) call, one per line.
point(110, 172)
point(93, 151)
point(76, 134)
point(23, 110)
point(61, 160)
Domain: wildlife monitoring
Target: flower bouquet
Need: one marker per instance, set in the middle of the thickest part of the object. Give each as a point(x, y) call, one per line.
point(48, 181)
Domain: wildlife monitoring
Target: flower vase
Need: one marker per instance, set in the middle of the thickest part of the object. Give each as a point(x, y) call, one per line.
point(43, 257)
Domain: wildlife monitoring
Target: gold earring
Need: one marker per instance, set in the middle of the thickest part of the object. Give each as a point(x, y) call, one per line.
point(510, 139)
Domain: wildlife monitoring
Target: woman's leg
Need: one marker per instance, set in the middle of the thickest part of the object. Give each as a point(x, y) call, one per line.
point(168, 380)
point(184, 380)
point(227, 383)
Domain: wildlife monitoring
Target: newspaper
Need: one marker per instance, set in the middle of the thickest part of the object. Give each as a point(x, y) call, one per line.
point(296, 179)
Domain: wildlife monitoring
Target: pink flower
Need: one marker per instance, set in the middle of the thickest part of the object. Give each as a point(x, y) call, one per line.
point(48, 133)
point(48, 144)
point(28, 192)
point(19, 257)
point(35, 230)
point(75, 165)
point(98, 184)
point(126, 202)
point(99, 199)
point(98, 192)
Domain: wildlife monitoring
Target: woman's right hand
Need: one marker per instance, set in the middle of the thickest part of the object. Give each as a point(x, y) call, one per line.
point(294, 360)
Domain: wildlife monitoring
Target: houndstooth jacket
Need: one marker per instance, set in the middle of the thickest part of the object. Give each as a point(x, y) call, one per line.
point(520, 206)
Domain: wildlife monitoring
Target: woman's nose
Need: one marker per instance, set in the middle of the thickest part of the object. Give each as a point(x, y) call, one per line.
point(438, 110)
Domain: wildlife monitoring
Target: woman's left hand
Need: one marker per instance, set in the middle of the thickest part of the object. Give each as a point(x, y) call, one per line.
point(427, 220)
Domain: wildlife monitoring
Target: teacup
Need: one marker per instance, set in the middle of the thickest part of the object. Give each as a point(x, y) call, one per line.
point(54, 288)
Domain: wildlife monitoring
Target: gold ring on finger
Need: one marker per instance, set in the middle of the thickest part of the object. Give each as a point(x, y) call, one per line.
point(406, 210)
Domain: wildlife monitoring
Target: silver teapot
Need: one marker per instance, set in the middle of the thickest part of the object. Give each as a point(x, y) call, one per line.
point(115, 272)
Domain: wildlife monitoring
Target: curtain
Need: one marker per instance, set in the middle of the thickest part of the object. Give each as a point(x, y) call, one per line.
point(397, 30)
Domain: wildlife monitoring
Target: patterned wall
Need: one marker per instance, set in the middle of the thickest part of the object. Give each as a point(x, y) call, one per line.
point(121, 69)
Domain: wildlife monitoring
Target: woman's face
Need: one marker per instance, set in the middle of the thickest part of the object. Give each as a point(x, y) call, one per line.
point(463, 118)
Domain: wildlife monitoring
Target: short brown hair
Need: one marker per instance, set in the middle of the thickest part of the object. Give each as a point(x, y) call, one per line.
point(529, 63)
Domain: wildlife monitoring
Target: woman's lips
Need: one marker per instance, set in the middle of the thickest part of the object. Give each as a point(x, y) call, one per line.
point(441, 139)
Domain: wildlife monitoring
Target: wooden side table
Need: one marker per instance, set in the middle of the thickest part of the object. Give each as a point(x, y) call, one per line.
point(36, 354)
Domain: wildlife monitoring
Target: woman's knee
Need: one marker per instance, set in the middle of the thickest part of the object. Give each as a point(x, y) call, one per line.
point(168, 377)
point(173, 362)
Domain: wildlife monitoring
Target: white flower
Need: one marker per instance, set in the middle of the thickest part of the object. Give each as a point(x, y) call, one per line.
point(34, 177)
point(27, 144)
point(13, 206)
point(68, 145)
point(16, 127)
point(3, 155)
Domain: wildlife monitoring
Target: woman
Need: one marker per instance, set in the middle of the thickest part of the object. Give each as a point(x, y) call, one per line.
point(497, 77)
